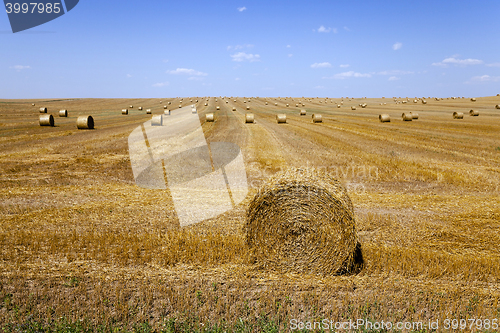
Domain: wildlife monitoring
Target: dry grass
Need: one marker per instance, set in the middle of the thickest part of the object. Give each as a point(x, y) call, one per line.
point(80, 240)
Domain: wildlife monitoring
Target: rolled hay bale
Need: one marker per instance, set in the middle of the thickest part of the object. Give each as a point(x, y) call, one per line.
point(353, 108)
point(302, 221)
point(281, 118)
point(415, 101)
point(303, 112)
point(338, 106)
point(165, 107)
point(169, 103)
point(180, 106)
point(364, 105)
point(473, 113)
point(206, 104)
point(275, 104)
point(148, 111)
point(458, 115)
point(407, 116)
point(234, 108)
point(124, 111)
point(296, 105)
point(384, 118)
point(414, 115)
point(166, 112)
point(249, 118)
point(497, 106)
point(266, 103)
point(227, 102)
point(248, 108)
point(43, 110)
point(209, 117)
point(317, 118)
point(85, 122)
point(157, 120)
point(32, 104)
point(140, 108)
point(63, 113)
point(46, 120)
point(218, 108)
point(473, 99)
point(424, 101)
point(131, 106)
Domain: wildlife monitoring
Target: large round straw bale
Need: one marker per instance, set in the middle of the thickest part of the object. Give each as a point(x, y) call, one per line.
point(249, 118)
point(131, 106)
point(303, 112)
point(338, 106)
point(296, 105)
point(275, 104)
point(353, 108)
point(474, 113)
point(424, 101)
point(266, 103)
point(206, 104)
point(148, 111)
point(63, 113)
point(234, 108)
point(281, 118)
point(497, 106)
point(473, 99)
point(384, 118)
point(209, 117)
point(180, 106)
point(169, 103)
point(415, 101)
point(218, 108)
point(165, 107)
point(85, 122)
point(140, 108)
point(363, 105)
point(248, 108)
point(43, 110)
point(458, 115)
point(302, 221)
point(317, 118)
point(124, 111)
point(407, 116)
point(414, 115)
point(46, 120)
point(157, 120)
point(32, 104)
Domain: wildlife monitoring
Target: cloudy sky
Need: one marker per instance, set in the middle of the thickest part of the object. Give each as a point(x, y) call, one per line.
point(256, 48)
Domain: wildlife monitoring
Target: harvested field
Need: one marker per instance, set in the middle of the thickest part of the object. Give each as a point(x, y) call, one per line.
point(79, 240)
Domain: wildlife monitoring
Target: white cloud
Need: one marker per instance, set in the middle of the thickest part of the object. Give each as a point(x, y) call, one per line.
point(237, 79)
point(128, 75)
point(457, 62)
point(344, 66)
point(484, 78)
point(323, 29)
point(290, 55)
point(393, 78)
point(397, 46)
point(239, 47)
point(195, 78)
point(321, 65)
point(240, 9)
point(20, 67)
point(187, 72)
point(288, 45)
point(161, 84)
point(346, 28)
point(394, 72)
point(345, 75)
point(495, 64)
point(242, 56)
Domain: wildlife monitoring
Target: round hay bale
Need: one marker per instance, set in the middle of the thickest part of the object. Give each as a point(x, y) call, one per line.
point(364, 105)
point(497, 106)
point(473, 99)
point(85, 122)
point(209, 117)
point(165, 107)
point(303, 112)
point(148, 111)
point(218, 108)
point(180, 106)
point(227, 102)
point(384, 118)
point(249, 118)
point(302, 221)
point(407, 116)
point(131, 106)
point(458, 115)
point(338, 106)
point(281, 118)
point(353, 108)
point(474, 113)
point(275, 104)
point(32, 104)
point(296, 105)
point(206, 104)
point(43, 110)
point(124, 111)
point(317, 118)
point(248, 108)
point(157, 120)
point(415, 101)
point(234, 108)
point(63, 113)
point(266, 103)
point(424, 101)
point(140, 108)
point(414, 115)
point(169, 103)
point(46, 120)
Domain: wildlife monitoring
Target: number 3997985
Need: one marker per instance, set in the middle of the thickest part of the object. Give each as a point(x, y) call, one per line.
point(33, 7)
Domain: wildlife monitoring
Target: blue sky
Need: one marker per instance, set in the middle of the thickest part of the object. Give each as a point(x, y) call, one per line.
point(143, 49)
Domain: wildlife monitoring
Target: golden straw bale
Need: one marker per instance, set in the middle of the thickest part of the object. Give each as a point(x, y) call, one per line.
point(384, 118)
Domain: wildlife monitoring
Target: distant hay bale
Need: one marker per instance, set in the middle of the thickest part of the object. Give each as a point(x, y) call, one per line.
point(165, 107)
point(302, 221)
point(281, 118)
point(124, 111)
point(148, 111)
point(32, 104)
point(353, 108)
point(302, 112)
point(46, 120)
point(206, 104)
point(218, 108)
point(296, 105)
point(474, 113)
point(157, 120)
point(193, 110)
point(384, 118)
point(227, 102)
point(407, 116)
point(180, 106)
point(140, 108)
point(43, 110)
point(266, 103)
point(415, 101)
point(364, 105)
point(131, 106)
point(234, 108)
point(338, 106)
point(249, 118)
point(287, 105)
point(169, 103)
point(63, 113)
point(458, 115)
point(473, 99)
point(303, 104)
point(414, 115)
point(167, 112)
point(209, 117)
point(317, 118)
point(275, 104)
point(424, 101)
point(248, 108)
point(85, 122)
point(497, 106)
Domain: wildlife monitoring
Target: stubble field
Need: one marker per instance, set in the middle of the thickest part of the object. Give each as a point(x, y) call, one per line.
point(81, 245)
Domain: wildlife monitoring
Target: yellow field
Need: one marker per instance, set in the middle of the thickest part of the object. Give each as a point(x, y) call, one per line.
point(80, 240)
